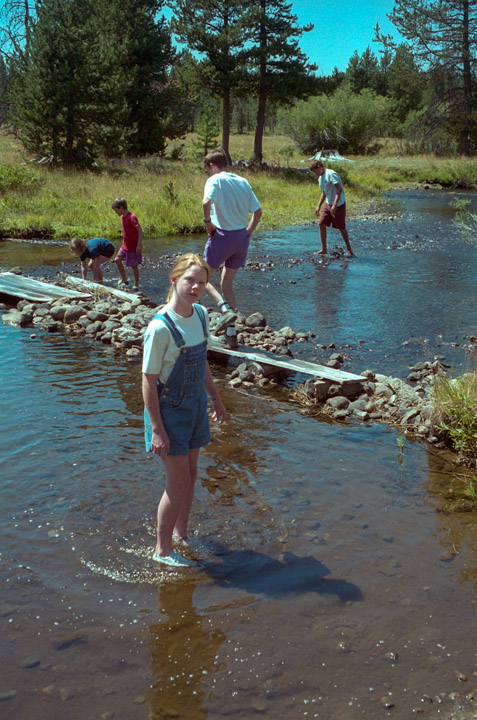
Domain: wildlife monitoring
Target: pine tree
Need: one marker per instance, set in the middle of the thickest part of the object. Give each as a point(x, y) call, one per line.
point(64, 87)
point(207, 132)
point(405, 83)
point(216, 31)
point(443, 34)
point(3, 91)
point(145, 59)
point(280, 70)
point(362, 71)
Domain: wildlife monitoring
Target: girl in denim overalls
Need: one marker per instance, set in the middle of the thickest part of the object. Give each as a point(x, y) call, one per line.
point(176, 378)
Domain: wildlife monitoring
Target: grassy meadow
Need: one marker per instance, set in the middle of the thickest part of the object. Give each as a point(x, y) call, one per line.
point(166, 194)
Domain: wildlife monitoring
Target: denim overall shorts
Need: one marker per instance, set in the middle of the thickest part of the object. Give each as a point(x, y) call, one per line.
point(182, 398)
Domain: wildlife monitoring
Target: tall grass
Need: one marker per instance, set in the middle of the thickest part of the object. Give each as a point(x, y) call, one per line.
point(167, 195)
point(455, 400)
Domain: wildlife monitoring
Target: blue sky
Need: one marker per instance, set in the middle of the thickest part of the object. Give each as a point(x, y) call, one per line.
point(341, 27)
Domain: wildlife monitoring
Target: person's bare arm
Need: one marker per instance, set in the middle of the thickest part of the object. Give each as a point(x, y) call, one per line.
point(220, 413)
point(322, 200)
point(84, 269)
point(206, 208)
point(254, 221)
point(139, 240)
point(337, 198)
point(160, 441)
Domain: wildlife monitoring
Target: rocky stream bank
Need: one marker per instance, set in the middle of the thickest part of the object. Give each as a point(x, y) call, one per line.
point(120, 325)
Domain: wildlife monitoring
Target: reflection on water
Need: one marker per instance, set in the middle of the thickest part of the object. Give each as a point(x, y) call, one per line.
point(330, 574)
point(184, 656)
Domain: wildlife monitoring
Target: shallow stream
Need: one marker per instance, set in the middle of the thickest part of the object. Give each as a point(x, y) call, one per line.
point(334, 583)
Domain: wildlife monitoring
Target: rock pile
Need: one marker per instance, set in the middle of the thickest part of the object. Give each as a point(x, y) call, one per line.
point(121, 324)
point(110, 321)
point(382, 398)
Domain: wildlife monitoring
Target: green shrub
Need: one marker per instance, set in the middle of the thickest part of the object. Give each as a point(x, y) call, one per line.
point(345, 121)
point(455, 401)
point(15, 178)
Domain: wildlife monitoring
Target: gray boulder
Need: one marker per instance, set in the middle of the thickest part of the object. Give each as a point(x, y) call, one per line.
point(256, 320)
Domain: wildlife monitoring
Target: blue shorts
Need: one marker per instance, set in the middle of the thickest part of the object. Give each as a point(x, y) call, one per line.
point(186, 424)
point(227, 247)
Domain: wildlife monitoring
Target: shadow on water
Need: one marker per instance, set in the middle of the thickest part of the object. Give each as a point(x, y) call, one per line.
point(259, 573)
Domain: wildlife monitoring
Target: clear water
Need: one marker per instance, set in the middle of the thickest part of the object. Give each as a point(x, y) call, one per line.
point(333, 577)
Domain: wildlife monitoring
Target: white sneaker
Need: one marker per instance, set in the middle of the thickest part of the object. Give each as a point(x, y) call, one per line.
point(175, 559)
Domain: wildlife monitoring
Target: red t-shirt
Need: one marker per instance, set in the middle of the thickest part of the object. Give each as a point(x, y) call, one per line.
point(130, 224)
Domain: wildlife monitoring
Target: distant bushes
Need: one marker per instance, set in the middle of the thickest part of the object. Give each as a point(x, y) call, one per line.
point(15, 178)
point(345, 121)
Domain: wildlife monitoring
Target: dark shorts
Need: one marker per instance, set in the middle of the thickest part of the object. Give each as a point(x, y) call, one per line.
point(227, 247)
point(108, 251)
point(132, 258)
point(337, 221)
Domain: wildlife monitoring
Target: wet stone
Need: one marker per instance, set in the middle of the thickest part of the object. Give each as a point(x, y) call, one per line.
point(8, 694)
point(256, 320)
point(133, 352)
point(340, 415)
point(66, 694)
point(73, 314)
point(339, 402)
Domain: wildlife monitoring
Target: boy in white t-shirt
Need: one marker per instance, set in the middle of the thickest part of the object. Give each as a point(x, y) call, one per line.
point(334, 210)
point(228, 202)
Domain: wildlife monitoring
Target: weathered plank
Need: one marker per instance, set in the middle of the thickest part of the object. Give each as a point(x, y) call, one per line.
point(29, 289)
point(95, 287)
point(291, 364)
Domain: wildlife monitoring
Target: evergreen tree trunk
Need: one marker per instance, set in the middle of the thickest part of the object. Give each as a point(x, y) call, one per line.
point(260, 125)
point(465, 142)
point(262, 93)
point(226, 124)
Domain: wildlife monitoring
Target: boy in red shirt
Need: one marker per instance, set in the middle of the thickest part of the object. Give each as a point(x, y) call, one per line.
point(131, 249)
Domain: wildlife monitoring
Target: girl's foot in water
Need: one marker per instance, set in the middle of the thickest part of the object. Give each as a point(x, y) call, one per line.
point(175, 559)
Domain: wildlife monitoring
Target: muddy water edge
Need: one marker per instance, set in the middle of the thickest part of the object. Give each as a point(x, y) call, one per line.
point(335, 580)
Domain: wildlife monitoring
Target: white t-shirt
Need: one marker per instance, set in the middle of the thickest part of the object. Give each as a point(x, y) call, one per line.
point(232, 200)
point(160, 350)
point(327, 183)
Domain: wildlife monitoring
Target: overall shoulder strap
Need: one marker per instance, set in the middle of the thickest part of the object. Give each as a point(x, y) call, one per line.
point(168, 322)
point(201, 313)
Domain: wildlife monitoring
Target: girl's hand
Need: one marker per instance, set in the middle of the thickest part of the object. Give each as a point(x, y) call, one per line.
point(220, 413)
point(160, 443)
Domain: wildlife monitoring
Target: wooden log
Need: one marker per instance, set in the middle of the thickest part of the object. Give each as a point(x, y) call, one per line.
point(27, 288)
point(95, 287)
point(290, 364)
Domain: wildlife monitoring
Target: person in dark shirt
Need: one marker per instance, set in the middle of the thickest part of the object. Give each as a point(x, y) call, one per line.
point(97, 250)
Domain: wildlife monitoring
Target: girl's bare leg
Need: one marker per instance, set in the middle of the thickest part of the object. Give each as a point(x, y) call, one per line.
point(136, 275)
point(180, 528)
point(174, 507)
